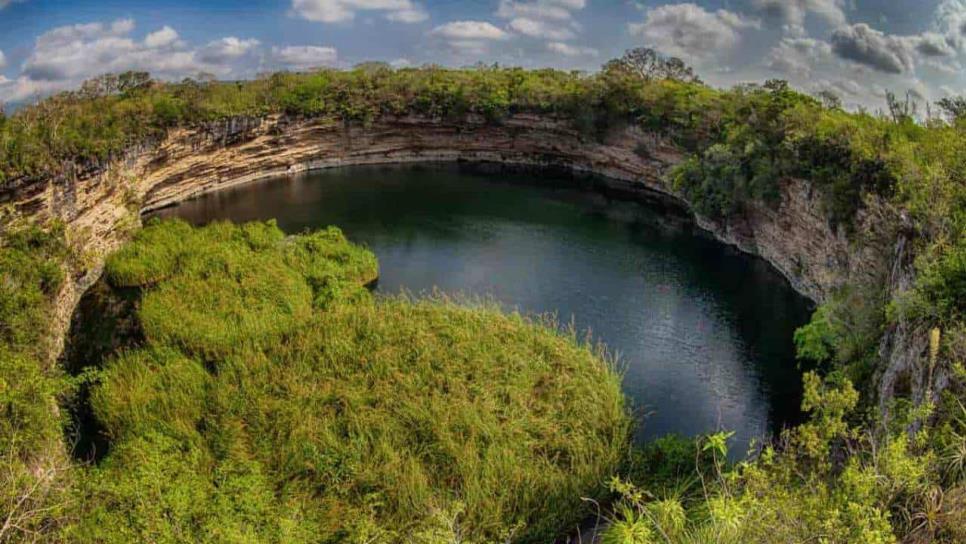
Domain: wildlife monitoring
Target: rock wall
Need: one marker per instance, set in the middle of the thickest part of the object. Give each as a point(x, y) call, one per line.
point(101, 203)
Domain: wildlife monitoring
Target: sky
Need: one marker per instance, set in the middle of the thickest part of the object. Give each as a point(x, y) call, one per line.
point(858, 49)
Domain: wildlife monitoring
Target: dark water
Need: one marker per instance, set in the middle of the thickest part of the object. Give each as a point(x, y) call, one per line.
point(703, 332)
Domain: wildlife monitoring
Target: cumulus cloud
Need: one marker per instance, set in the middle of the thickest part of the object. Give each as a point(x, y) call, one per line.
point(548, 19)
point(339, 11)
point(469, 30)
point(14, 90)
point(70, 51)
point(226, 50)
point(64, 56)
point(950, 21)
point(933, 44)
point(688, 30)
point(161, 38)
point(865, 45)
point(568, 50)
point(413, 15)
point(792, 13)
point(468, 38)
point(944, 66)
point(301, 57)
point(541, 29)
point(548, 10)
point(796, 56)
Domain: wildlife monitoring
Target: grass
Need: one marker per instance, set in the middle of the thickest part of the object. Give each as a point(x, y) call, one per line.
point(275, 400)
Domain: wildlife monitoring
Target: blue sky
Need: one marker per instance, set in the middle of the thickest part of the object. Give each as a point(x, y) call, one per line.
point(855, 48)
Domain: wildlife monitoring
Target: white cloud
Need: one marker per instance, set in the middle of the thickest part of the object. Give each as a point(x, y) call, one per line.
point(950, 20)
point(469, 30)
point(933, 44)
point(414, 15)
point(161, 38)
point(70, 35)
point(540, 29)
point(3, 60)
point(796, 56)
point(21, 88)
point(401, 63)
point(469, 38)
point(72, 51)
point(302, 57)
point(65, 56)
point(552, 10)
point(568, 50)
point(688, 30)
point(226, 50)
point(544, 19)
point(946, 67)
point(865, 45)
point(339, 11)
point(791, 14)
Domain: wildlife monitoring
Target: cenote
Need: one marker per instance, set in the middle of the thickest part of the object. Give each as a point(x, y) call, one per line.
point(703, 332)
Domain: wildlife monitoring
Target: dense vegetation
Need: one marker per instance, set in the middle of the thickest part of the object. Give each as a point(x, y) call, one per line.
point(33, 486)
point(273, 400)
point(243, 415)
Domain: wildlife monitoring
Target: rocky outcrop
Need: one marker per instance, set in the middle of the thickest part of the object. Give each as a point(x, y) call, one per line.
point(101, 203)
point(906, 369)
point(795, 236)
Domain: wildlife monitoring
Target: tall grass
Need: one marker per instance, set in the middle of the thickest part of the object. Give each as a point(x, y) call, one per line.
point(269, 406)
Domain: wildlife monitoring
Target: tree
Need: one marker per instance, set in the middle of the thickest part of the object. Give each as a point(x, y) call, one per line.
point(901, 111)
point(648, 64)
point(373, 67)
point(133, 81)
point(954, 107)
point(108, 84)
point(830, 100)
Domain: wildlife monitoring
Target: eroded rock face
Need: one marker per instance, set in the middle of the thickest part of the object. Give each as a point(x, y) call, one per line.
point(795, 236)
point(101, 203)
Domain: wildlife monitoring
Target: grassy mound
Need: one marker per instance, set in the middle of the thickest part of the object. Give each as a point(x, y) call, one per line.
point(275, 400)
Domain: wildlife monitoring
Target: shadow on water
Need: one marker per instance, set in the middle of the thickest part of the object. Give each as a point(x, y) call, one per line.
point(704, 332)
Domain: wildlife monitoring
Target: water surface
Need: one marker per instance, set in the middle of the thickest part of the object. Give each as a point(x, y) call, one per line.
point(703, 332)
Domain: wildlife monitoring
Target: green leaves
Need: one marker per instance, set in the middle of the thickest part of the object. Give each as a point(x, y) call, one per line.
point(717, 444)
